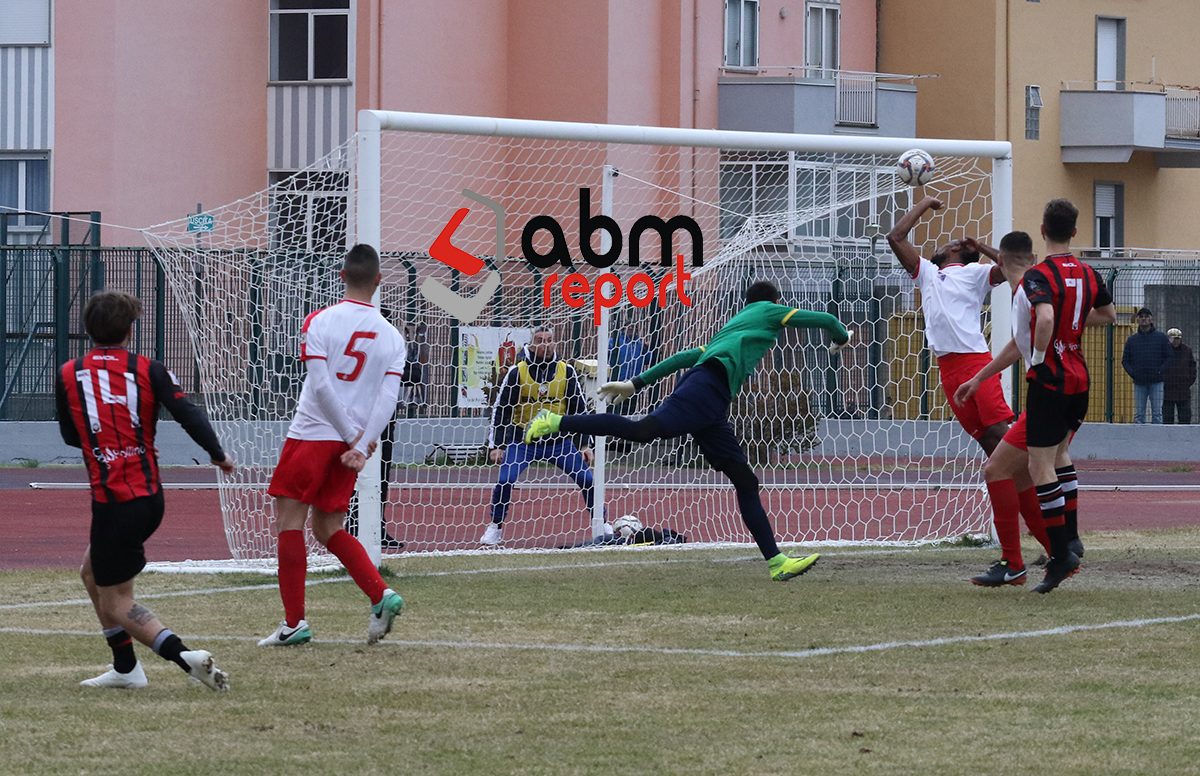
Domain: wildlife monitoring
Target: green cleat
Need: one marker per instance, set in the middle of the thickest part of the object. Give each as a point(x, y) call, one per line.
point(784, 568)
point(383, 614)
point(543, 424)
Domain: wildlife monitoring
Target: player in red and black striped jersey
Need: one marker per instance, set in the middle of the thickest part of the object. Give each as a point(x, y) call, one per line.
point(108, 404)
point(1066, 296)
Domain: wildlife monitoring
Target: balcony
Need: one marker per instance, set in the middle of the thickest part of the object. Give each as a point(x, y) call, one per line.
point(816, 101)
point(1109, 124)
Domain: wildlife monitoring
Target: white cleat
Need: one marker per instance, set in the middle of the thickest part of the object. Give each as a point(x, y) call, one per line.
point(286, 637)
point(134, 680)
point(383, 614)
point(491, 537)
point(203, 669)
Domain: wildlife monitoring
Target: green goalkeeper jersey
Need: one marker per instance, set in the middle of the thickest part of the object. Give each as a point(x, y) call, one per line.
point(741, 343)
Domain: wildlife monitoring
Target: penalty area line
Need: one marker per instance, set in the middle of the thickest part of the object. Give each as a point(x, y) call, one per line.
point(608, 649)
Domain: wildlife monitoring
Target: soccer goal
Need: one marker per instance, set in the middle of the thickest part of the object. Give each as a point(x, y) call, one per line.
point(853, 448)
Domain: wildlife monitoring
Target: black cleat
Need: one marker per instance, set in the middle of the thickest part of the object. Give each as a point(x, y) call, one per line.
point(999, 575)
point(1076, 546)
point(1057, 571)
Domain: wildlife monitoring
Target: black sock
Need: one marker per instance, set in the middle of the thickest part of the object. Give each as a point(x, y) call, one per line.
point(1050, 496)
point(757, 522)
point(121, 644)
point(168, 646)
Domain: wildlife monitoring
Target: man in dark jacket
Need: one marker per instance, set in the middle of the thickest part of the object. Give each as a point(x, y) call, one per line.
point(1147, 352)
point(539, 380)
point(1180, 374)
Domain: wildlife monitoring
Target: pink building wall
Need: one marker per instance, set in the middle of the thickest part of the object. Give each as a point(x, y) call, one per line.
point(156, 111)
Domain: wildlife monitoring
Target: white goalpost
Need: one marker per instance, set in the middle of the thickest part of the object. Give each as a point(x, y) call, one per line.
point(849, 448)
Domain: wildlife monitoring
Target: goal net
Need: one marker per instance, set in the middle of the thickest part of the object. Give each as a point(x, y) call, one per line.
point(857, 447)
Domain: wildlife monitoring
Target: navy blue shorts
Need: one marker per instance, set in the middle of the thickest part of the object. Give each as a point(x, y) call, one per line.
point(699, 406)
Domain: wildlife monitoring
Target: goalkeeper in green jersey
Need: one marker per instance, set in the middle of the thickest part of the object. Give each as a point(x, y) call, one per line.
point(699, 405)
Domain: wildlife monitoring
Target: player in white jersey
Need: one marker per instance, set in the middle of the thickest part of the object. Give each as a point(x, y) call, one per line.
point(1010, 461)
point(954, 287)
point(354, 360)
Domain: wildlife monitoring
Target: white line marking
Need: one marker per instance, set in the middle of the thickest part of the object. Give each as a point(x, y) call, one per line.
point(176, 594)
point(602, 649)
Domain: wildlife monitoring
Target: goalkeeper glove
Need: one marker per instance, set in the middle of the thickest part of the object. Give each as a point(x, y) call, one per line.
point(837, 347)
point(615, 393)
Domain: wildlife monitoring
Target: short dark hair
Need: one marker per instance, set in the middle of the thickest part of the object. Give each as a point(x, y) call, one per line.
point(762, 291)
point(361, 266)
point(1016, 243)
point(1059, 220)
point(109, 315)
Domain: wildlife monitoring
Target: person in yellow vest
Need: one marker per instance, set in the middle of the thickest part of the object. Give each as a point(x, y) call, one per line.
point(539, 380)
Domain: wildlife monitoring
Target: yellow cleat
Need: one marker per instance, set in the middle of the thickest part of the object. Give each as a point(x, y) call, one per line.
point(543, 424)
point(784, 568)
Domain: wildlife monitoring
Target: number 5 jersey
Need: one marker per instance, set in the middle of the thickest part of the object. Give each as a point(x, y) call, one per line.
point(360, 349)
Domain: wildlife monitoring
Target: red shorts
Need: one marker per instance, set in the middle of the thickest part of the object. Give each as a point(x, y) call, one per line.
point(312, 473)
point(1016, 434)
point(987, 407)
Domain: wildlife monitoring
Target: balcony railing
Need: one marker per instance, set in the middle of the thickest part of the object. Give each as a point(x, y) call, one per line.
point(857, 91)
point(1183, 102)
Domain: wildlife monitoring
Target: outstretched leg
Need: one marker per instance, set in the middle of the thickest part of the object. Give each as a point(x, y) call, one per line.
point(642, 430)
point(721, 448)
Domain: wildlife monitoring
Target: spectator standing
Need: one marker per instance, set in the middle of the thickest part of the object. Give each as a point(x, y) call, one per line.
point(1179, 375)
point(1147, 353)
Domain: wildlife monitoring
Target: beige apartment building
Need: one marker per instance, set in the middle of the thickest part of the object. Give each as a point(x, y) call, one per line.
point(1098, 97)
point(1101, 102)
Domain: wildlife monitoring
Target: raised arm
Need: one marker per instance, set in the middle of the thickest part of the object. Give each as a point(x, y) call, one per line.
point(898, 240)
point(684, 359)
point(991, 254)
point(619, 391)
point(808, 319)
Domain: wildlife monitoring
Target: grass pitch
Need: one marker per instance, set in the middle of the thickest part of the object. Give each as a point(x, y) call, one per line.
point(636, 662)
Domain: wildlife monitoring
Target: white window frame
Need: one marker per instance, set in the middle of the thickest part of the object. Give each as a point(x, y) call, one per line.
point(1033, 108)
point(23, 223)
point(734, 34)
point(309, 55)
point(1113, 225)
point(1117, 82)
point(818, 64)
point(283, 186)
point(25, 23)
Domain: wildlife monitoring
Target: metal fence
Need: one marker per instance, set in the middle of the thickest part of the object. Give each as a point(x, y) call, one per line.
point(42, 296)
point(44, 290)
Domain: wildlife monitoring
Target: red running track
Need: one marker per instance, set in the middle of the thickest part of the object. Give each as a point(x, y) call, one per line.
point(48, 528)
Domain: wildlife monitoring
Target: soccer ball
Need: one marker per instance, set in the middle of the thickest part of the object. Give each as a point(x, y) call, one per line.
point(626, 526)
point(915, 167)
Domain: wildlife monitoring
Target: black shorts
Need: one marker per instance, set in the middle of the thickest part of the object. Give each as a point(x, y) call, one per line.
point(119, 531)
point(1051, 416)
point(699, 406)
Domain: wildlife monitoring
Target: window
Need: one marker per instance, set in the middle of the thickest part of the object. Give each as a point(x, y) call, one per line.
point(760, 183)
point(1110, 54)
point(741, 33)
point(822, 39)
point(308, 211)
point(24, 187)
point(25, 23)
point(1033, 112)
point(310, 40)
point(1110, 217)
